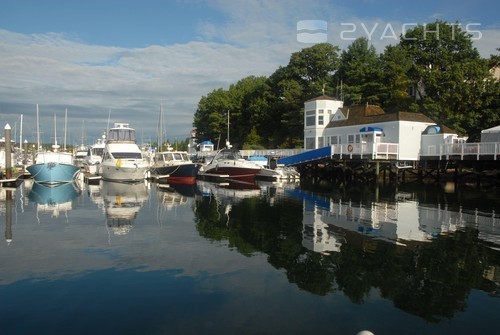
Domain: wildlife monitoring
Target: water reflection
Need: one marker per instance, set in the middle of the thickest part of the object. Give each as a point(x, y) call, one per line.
point(421, 258)
point(426, 259)
point(54, 199)
point(171, 196)
point(122, 202)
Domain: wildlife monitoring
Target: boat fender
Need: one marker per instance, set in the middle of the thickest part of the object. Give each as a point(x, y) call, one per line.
point(119, 163)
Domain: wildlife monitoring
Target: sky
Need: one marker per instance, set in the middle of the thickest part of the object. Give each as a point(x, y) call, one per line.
point(90, 63)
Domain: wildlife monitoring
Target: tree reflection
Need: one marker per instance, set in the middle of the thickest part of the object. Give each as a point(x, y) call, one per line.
point(431, 280)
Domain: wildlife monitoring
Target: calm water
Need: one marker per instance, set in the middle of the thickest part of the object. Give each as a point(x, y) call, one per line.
point(268, 259)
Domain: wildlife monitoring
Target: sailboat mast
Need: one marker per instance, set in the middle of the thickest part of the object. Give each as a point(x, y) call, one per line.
point(37, 129)
point(55, 131)
point(160, 128)
point(21, 133)
point(65, 125)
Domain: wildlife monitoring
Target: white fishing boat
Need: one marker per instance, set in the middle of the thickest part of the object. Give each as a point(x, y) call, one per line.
point(80, 154)
point(122, 158)
point(94, 155)
point(53, 167)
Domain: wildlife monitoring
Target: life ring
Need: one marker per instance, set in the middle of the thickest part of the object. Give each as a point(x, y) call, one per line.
point(350, 148)
point(119, 163)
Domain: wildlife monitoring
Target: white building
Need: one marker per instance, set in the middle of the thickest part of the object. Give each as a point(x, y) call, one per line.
point(363, 130)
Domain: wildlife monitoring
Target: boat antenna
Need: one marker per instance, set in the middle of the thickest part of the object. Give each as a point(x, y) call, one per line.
point(228, 144)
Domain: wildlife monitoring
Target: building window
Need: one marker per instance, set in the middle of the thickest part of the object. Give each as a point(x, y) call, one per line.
point(354, 138)
point(336, 139)
point(310, 118)
point(320, 120)
point(310, 143)
point(320, 142)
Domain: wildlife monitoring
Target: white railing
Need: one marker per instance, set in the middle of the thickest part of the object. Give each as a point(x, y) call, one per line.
point(271, 152)
point(475, 150)
point(367, 150)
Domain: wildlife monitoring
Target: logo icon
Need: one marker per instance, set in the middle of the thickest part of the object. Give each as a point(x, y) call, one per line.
point(311, 31)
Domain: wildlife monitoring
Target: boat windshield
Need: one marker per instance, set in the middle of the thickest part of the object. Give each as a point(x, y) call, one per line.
point(97, 151)
point(121, 135)
point(171, 156)
point(229, 154)
point(127, 155)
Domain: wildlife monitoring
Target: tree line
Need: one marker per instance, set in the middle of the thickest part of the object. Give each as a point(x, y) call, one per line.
point(434, 69)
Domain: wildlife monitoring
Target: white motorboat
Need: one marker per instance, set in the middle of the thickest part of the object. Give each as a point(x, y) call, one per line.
point(229, 164)
point(122, 158)
point(94, 155)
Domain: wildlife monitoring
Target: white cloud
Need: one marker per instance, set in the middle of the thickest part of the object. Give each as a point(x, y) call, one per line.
point(57, 73)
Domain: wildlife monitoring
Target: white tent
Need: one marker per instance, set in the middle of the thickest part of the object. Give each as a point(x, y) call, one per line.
point(491, 134)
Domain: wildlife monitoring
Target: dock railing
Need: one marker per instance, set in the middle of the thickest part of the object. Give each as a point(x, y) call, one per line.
point(466, 150)
point(366, 150)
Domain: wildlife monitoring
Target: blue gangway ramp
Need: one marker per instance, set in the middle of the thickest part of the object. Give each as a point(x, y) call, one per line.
point(307, 156)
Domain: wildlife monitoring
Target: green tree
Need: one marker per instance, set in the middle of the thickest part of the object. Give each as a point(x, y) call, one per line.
point(313, 68)
point(449, 71)
point(360, 73)
point(395, 65)
point(307, 75)
point(210, 118)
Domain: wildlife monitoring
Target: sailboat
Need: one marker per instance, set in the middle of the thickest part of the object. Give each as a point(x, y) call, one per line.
point(53, 167)
point(175, 165)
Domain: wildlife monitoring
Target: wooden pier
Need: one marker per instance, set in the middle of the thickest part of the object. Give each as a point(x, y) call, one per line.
point(463, 162)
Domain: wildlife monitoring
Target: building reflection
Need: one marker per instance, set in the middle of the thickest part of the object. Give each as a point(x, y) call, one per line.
point(326, 222)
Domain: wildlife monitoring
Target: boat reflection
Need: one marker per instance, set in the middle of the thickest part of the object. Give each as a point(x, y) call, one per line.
point(172, 195)
point(122, 201)
point(227, 194)
point(54, 199)
point(229, 191)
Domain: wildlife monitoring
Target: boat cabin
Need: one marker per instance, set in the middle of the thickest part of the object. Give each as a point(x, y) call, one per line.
point(171, 156)
point(121, 132)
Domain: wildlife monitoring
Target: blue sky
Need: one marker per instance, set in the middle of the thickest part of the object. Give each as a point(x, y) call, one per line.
point(125, 58)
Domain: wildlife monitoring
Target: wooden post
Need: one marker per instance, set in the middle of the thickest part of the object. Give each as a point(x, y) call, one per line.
point(8, 150)
point(8, 217)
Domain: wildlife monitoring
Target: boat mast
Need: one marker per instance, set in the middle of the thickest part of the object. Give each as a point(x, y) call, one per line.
point(160, 128)
point(65, 125)
point(228, 144)
point(37, 130)
point(55, 146)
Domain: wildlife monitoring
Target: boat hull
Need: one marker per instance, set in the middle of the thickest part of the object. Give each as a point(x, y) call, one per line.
point(246, 174)
point(177, 174)
point(130, 171)
point(53, 173)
